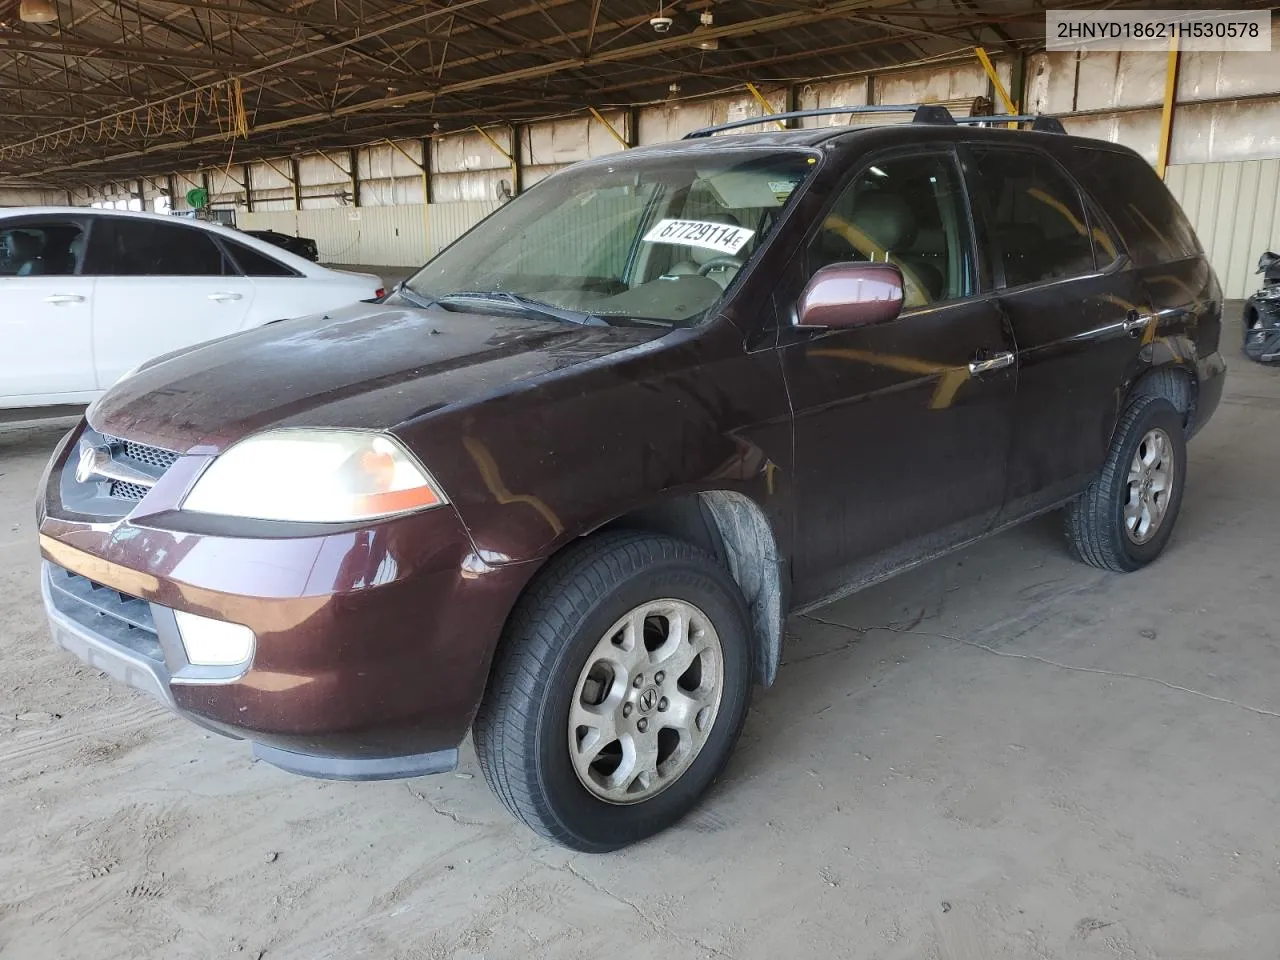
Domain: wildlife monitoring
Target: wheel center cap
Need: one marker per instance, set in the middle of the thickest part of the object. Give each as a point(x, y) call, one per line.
point(648, 699)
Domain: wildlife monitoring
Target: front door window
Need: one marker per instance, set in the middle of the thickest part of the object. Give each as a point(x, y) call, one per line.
point(908, 211)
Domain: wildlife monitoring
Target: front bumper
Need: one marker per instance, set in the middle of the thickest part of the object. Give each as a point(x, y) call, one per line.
point(372, 645)
point(106, 649)
point(107, 646)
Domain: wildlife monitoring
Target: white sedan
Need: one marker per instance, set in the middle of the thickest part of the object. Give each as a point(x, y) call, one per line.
point(86, 295)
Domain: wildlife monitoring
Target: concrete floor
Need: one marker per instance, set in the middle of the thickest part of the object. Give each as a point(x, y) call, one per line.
point(1001, 755)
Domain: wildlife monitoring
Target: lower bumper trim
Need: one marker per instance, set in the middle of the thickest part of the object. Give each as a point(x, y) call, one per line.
point(132, 669)
point(354, 768)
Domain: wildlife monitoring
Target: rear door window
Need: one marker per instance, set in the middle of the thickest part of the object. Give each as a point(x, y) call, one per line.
point(139, 247)
point(1036, 218)
point(41, 247)
point(1153, 226)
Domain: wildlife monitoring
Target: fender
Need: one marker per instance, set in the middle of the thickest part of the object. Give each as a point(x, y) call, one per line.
point(1166, 366)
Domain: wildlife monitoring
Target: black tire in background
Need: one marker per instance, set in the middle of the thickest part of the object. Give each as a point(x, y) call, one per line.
point(1096, 528)
point(522, 730)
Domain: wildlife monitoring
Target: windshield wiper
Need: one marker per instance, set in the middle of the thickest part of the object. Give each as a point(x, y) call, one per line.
point(526, 305)
point(629, 321)
point(417, 299)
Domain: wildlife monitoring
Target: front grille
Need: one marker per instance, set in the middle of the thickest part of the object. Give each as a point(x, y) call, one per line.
point(124, 620)
point(141, 453)
point(126, 491)
point(119, 473)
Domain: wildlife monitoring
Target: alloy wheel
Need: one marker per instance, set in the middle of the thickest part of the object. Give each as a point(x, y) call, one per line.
point(645, 701)
point(1150, 486)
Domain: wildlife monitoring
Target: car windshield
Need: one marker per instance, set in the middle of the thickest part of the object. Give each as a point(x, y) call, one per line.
point(644, 239)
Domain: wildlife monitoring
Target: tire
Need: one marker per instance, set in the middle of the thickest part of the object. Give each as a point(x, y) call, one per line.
point(1098, 530)
point(573, 643)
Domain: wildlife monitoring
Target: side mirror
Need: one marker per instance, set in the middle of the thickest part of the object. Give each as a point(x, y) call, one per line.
point(850, 295)
point(1266, 260)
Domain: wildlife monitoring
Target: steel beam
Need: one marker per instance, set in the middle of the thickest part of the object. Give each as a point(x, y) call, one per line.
point(765, 106)
point(300, 19)
point(621, 54)
point(1167, 108)
point(120, 53)
point(610, 127)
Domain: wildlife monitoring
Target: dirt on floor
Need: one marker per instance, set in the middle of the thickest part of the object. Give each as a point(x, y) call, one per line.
point(1001, 755)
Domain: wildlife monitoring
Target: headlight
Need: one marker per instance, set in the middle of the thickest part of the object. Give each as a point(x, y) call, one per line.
point(314, 476)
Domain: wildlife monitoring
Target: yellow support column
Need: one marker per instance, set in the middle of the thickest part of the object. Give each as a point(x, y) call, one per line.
point(1166, 114)
point(764, 104)
point(610, 127)
point(511, 158)
point(1010, 106)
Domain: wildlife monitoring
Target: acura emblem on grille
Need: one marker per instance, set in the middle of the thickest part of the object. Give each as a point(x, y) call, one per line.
point(92, 457)
point(99, 460)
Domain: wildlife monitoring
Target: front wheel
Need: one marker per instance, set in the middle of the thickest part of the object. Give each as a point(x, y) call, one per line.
point(619, 691)
point(1126, 515)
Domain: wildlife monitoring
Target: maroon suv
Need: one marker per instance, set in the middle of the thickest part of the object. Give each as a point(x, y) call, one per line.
point(563, 486)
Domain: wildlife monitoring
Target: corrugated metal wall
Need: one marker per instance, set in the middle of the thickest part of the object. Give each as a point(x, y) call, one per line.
point(405, 235)
point(1118, 96)
point(31, 197)
point(671, 121)
point(551, 146)
point(1235, 208)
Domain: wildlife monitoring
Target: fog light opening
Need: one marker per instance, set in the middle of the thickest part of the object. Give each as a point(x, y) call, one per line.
point(214, 643)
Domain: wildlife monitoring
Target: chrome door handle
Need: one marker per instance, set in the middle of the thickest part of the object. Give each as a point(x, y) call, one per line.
point(1135, 322)
point(997, 361)
point(221, 297)
point(64, 298)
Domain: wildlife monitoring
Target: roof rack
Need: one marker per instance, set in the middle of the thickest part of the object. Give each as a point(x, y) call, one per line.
point(1039, 122)
point(920, 113)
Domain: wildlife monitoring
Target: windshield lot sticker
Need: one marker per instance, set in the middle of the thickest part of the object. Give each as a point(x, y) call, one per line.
point(724, 237)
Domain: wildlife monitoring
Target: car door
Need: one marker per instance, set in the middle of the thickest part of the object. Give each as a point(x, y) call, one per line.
point(1077, 317)
point(45, 312)
point(902, 428)
point(281, 292)
point(161, 286)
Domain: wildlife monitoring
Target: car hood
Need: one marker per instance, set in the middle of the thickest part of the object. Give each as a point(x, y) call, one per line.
point(367, 366)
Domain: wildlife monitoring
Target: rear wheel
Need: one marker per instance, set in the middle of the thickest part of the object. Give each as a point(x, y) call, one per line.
point(1126, 515)
point(619, 691)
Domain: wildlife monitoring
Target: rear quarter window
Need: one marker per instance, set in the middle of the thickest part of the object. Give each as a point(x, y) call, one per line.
point(255, 264)
point(1151, 224)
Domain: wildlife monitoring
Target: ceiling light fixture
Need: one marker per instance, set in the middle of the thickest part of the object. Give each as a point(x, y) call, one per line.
point(700, 40)
point(37, 11)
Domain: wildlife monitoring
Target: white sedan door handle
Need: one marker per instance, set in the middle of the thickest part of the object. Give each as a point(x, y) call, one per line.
point(59, 298)
point(220, 297)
